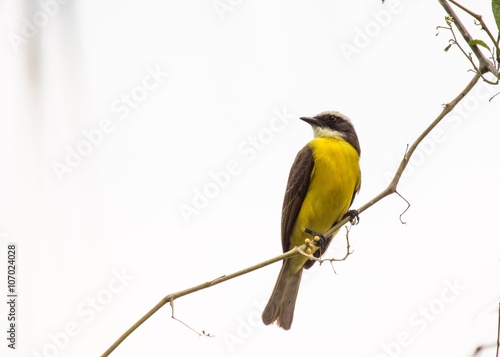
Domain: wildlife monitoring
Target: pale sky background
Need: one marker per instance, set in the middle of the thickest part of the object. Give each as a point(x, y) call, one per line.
point(167, 100)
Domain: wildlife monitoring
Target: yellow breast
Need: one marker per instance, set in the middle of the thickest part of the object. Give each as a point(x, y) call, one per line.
point(335, 177)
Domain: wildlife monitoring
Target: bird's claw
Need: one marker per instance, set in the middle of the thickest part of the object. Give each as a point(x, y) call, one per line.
point(353, 215)
point(319, 238)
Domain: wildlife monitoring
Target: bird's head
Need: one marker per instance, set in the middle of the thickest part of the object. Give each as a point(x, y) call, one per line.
point(333, 124)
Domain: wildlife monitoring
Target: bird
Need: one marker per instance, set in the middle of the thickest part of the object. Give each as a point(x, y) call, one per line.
point(322, 183)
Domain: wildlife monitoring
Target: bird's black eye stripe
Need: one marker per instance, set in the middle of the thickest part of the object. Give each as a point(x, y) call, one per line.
point(333, 118)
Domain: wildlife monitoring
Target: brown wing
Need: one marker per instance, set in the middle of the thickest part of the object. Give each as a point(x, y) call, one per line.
point(296, 189)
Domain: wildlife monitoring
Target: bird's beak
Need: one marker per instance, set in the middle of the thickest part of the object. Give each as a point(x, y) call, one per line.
point(310, 120)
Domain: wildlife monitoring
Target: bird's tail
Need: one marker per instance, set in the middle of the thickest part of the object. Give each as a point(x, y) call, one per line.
point(282, 301)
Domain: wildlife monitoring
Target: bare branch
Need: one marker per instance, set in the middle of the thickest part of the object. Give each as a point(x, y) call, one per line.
point(406, 209)
point(454, 41)
point(171, 297)
point(301, 250)
point(348, 248)
point(484, 66)
point(479, 18)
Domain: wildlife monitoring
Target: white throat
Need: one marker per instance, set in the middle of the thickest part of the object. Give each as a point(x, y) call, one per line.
point(322, 132)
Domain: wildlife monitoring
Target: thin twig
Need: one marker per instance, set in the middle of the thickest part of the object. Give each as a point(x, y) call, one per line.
point(479, 18)
point(331, 260)
point(454, 41)
point(348, 249)
point(406, 209)
point(484, 64)
point(185, 324)
point(171, 297)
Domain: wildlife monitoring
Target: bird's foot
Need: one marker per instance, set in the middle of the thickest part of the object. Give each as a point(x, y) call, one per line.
point(353, 215)
point(320, 239)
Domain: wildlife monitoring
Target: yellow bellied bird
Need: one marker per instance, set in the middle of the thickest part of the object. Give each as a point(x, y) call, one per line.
point(322, 183)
